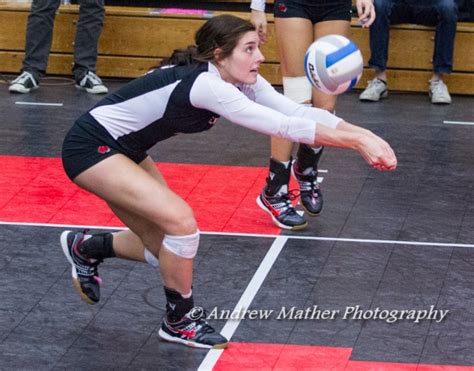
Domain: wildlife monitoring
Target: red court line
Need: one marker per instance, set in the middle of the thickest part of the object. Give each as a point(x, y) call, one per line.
point(259, 356)
point(36, 190)
point(245, 356)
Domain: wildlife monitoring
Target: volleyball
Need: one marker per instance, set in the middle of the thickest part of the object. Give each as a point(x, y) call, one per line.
point(333, 64)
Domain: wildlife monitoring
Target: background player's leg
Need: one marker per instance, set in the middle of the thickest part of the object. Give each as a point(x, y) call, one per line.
point(294, 35)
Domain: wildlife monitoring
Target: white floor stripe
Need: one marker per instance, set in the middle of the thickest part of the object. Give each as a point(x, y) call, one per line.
point(458, 122)
point(246, 299)
point(39, 104)
point(256, 235)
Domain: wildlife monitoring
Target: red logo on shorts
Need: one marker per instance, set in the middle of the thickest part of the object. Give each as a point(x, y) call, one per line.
point(282, 7)
point(103, 149)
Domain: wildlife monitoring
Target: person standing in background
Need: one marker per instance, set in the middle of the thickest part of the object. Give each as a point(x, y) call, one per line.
point(39, 35)
point(439, 13)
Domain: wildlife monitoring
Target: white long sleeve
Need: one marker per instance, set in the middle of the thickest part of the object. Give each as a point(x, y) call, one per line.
point(210, 92)
point(266, 95)
point(258, 5)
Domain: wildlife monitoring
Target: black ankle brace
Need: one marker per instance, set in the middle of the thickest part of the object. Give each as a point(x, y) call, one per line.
point(278, 176)
point(177, 306)
point(307, 158)
point(99, 246)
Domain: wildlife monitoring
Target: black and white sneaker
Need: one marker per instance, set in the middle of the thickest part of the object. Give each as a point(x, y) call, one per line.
point(282, 210)
point(92, 84)
point(23, 84)
point(84, 271)
point(192, 330)
point(310, 191)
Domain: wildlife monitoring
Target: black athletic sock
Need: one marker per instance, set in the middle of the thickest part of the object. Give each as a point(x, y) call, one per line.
point(176, 305)
point(278, 176)
point(99, 246)
point(306, 157)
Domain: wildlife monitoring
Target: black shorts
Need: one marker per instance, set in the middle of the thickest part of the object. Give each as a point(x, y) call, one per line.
point(88, 143)
point(314, 10)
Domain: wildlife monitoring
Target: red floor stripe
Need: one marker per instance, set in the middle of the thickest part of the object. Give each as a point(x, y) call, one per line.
point(245, 356)
point(379, 366)
point(258, 356)
point(36, 190)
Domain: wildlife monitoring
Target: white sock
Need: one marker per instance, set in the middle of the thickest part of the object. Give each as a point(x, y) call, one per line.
point(151, 259)
point(286, 163)
point(188, 295)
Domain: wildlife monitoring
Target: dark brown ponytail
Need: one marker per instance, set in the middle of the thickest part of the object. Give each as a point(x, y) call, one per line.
point(180, 57)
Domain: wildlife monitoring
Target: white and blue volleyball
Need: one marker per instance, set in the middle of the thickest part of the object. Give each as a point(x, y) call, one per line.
point(333, 64)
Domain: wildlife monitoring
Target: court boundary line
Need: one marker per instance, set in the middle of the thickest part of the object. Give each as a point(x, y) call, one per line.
point(245, 300)
point(448, 122)
point(40, 104)
point(257, 235)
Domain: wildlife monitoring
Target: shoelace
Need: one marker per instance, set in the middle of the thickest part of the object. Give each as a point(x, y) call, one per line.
point(311, 184)
point(438, 88)
point(197, 322)
point(94, 78)
point(95, 271)
point(374, 83)
point(86, 267)
point(197, 315)
point(23, 78)
point(285, 205)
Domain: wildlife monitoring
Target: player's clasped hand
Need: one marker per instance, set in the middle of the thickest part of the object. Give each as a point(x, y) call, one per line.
point(378, 153)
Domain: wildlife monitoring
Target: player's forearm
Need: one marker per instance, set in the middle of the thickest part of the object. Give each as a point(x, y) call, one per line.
point(345, 126)
point(326, 136)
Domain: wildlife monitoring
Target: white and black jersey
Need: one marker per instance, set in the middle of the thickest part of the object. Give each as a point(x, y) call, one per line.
point(190, 99)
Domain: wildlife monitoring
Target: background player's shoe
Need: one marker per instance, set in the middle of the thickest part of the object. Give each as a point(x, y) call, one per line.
point(92, 84)
point(23, 84)
point(310, 192)
point(282, 211)
point(376, 90)
point(439, 92)
point(84, 271)
point(192, 330)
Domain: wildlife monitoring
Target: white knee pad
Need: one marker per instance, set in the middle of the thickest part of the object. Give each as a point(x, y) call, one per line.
point(183, 246)
point(151, 259)
point(298, 89)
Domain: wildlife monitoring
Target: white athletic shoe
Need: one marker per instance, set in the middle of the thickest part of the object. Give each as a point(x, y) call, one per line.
point(439, 93)
point(92, 84)
point(23, 84)
point(376, 89)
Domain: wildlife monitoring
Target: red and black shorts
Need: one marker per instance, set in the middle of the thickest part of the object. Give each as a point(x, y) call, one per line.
point(316, 11)
point(88, 143)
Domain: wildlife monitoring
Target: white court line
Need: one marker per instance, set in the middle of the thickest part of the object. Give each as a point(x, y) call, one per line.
point(40, 104)
point(458, 122)
point(245, 300)
point(292, 237)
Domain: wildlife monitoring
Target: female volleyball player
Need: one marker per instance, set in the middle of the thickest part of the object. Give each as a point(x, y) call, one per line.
point(297, 24)
point(105, 153)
